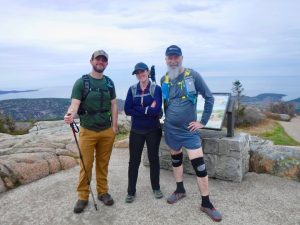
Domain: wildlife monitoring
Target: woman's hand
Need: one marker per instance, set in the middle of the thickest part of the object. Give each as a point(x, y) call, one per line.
point(153, 105)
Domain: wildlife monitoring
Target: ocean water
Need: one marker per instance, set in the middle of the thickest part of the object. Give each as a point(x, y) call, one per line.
point(253, 85)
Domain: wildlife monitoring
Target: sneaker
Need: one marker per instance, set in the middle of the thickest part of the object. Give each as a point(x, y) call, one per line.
point(158, 194)
point(213, 213)
point(80, 205)
point(129, 198)
point(106, 199)
point(173, 198)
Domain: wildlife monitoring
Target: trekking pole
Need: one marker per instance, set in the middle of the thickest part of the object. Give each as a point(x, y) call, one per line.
point(73, 125)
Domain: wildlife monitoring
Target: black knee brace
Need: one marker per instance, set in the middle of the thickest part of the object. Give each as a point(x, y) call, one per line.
point(199, 167)
point(177, 160)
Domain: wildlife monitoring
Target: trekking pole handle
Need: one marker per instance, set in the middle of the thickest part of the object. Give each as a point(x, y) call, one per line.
point(73, 125)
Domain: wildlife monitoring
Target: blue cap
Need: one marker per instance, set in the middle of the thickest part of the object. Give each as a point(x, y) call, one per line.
point(140, 66)
point(173, 50)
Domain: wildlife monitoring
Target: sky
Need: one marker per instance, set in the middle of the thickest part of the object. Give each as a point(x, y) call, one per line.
point(48, 43)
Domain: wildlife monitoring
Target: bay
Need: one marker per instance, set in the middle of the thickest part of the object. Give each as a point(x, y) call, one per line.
point(253, 85)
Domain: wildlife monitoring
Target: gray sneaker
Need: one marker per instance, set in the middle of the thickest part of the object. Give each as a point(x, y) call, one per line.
point(158, 194)
point(213, 213)
point(129, 198)
point(174, 197)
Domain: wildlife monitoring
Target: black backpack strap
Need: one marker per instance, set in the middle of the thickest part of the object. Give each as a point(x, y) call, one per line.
point(86, 86)
point(110, 85)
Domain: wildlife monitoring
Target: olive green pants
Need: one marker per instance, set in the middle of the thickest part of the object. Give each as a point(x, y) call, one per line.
point(98, 145)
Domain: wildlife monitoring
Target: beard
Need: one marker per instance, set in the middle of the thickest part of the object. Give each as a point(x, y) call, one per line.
point(174, 70)
point(99, 69)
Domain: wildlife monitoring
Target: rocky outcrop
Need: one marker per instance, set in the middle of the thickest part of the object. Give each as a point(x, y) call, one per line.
point(48, 148)
point(282, 161)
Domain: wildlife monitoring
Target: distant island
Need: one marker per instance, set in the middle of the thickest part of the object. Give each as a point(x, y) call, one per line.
point(266, 97)
point(15, 91)
point(264, 100)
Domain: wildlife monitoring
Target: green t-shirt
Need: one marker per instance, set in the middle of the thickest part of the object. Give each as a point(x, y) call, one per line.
point(97, 103)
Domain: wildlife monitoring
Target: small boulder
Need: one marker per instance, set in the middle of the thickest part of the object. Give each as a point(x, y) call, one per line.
point(277, 116)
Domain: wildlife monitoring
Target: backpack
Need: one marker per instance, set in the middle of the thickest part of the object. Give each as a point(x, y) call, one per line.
point(87, 89)
point(134, 88)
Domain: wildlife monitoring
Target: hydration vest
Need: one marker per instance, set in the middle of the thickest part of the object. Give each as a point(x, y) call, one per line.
point(192, 96)
point(87, 89)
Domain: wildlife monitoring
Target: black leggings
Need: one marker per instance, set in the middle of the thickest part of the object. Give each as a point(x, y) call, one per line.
point(136, 145)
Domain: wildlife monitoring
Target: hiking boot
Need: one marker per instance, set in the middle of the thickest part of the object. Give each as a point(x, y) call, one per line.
point(213, 213)
point(158, 194)
point(173, 198)
point(129, 198)
point(106, 199)
point(80, 205)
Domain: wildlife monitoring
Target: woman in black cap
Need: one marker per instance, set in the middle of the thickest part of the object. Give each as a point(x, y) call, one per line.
point(143, 103)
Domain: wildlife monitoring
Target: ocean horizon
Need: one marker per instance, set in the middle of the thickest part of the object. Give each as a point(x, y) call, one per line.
point(253, 86)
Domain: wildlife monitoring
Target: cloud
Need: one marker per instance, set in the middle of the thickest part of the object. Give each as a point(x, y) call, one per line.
point(53, 40)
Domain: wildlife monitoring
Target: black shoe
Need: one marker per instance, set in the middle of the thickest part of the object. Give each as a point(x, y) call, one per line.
point(106, 199)
point(80, 205)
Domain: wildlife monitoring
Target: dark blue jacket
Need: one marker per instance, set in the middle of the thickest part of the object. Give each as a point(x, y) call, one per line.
point(144, 117)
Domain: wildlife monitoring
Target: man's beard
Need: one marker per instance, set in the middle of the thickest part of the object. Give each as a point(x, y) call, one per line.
point(174, 71)
point(98, 69)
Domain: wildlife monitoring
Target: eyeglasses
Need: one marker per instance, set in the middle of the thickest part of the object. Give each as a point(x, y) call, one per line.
point(139, 71)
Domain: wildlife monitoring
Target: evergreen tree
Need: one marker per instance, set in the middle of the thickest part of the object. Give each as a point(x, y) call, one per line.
point(237, 90)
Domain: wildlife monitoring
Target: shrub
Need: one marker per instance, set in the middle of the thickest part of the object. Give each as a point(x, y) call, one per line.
point(7, 124)
point(283, 108)
point(249, 115)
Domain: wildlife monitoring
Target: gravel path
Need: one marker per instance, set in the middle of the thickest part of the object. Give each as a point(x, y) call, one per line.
point(292, 128)
point(259, 199)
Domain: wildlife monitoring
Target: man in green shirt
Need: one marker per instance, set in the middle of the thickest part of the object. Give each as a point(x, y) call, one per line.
point(94, 99)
